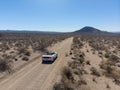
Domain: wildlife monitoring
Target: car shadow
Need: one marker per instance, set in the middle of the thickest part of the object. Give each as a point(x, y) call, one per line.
point(48, 62)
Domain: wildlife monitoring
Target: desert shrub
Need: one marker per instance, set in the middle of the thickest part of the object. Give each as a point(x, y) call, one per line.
point(20, 56)
point(114, 51)
point(74, 58)
point(25, 58)
point(66, 82)
point(87, 50)
point(82, 55)
point(73, 64)
point(67, 73)
point(62, 86)
point(82, 82)
point(116, 74)
point(110, 71)
point(79, 71)
point(12, 52)
point(66, 54)
point(94, 71)
point(5, 65)
point(107, 55)
point(107, 63)
point(58, 86)
point(70, 53)
point(79, 57)
point(94, 79)
point(77, 43)
point(97, 46)
point(93, 52)
point(16, 59)
point(118, 46)
point(100, 53)
point(88, 62)
point(6, 47)
point(27, 53)
point(84, 87)
point(21, 50)
point(18, 44)
point(41, 47)
point(81, 60)
point(114, 58)
point(107, 85)
point(117, 64)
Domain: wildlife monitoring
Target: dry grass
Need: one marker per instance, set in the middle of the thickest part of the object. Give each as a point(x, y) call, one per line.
point(74, 69)
point(110, 70)
point(104, 46)
point(22, 46)
point(107, 86)
point(94, 71)
point(5, 65)
point(88, 62)
point(66, 81)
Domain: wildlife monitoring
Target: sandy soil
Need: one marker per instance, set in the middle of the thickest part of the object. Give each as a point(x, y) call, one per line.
point(38, 76)
point(102, 81)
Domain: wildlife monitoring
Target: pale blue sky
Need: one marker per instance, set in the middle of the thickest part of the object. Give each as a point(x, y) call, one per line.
point(59, 15)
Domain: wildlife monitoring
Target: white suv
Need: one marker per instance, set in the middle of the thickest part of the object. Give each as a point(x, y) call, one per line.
point(49, 56)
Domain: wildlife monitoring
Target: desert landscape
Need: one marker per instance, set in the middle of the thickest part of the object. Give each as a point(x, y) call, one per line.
point(20, 61)
point(59, 44)
point(85, 61)
point(94, 64)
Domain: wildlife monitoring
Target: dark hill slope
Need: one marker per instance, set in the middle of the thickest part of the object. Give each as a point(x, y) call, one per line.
point(90, 30)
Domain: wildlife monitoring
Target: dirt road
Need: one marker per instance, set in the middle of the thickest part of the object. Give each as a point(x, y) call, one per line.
point(38, 76)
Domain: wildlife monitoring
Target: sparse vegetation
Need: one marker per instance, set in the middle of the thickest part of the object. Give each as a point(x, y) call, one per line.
point(75, 68)
point(104, 47)
point(95, 71)
point(25, 58)
point(5, 65)
point(107, 86)
point(19, 47)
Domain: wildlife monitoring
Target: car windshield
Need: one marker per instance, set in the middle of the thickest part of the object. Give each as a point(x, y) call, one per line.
point(50, 53)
